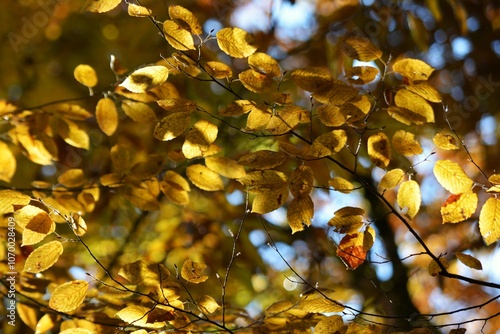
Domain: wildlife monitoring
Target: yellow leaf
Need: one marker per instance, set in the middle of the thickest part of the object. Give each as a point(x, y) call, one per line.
point(78, 224)
point(329, 325)
point(142, 198)
point(409, 197)
point(301, 181)
point(254, 81)
point(218, 70)
point(145, 79)
point(269, 200)
point(6, 107)
point(392, 179)
point(27, 314)
point(495, 179)
point(225, 167)
point(495, 189)
point(72, 178)
point(340, 184)
point(360, 48)
point(194, 272)
point(264, 180)
point(445, 141)
point(176, 188)
point(426, 91)
point(320, 305)
point(312, 79)
point(489, 221)
point(101, 6)
point(46, 323)
point(43, 257)
point(8, 163)
point(187, 20)
point(287, 119)
point(452, 177)
point(237, 108)
point(172, 126)
point(179, 38)
point(459, 207)
point(138, 11)
point(72, 134)
point(177, 105)
point(331, 115)
point(357, 109)
point(139, 112)
point(71, 111)
point(434, 268)
point(36, 150)
point(207, 304)
point(360, 75)
point(85, 75)
point(469, 261)
point(204, 178)
point(145, 273)
point(416, 104)
point(336, 93)
point(351, 249)
point(38, 228)
point(379, 150)
point(76, 331)
point(258, 118)
point(138, 316)
point(236, 42)
point(347, 219)
point(413, 69)
point(328, 143)
point(300, 212)
point(199, 139)
point(264, 64)
point(8, 198)
point(405, 116)
point(405, 143)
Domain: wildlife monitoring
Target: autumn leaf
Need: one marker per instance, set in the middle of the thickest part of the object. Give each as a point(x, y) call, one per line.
point(194, 272)
point(352, 249)
point(218, 70)
point(392, 178)
point(185, 18)
point(434, 269)
point(43, 257)
point(225, 167)
point(452, 177)
point(269, 200)
point(419, 109)
point(143, 272)
point(445, 141)
point(145, 78)
point(301, 181)
point(138, 111)
point(361, 75)
point(177, 37)
point(207, 304)
point(263, 159)
point(255, 81)
point(328, 325)
point(341, 185)
point(9, 198)
point(138, 11)
point(72, 178)
point(426, 91)
point(404, 142)
point(328, 143)
point(138, 316)
point(360, 48)
point(236, 42)
point(102, 6)
point(73, 134)
point(264, 64)
point(331, 115)
point(489, 221)
point(413, 69)
point(68, 296)
point(409, 197)
point(204, 178)
point(312, 78)
point(8, 163)
point(300, 212)
point(469, 261)
point(85, 75)
point(142, 198)
point(199, 139)
point(172, 126)
point(459, 207)
point(175, 187)
point(379, 150)
point(347, 219)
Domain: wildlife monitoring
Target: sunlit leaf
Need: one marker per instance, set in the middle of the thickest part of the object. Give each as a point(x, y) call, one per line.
point(258, 118)
point(71, 111)
point(312, 78)
point(138, 111)
point(351, 249)
point(331, 115)
point(360, 75)
point(347, 219)
point(72, 178)
point(300, 212)
point(329, 325)
point(263, 159)
point(6, 107)
point(406, 116)
point(8, 198)
point(138, 316)
point(237, 108)
point(43, 257)
point(101, 6)
point(172, 126)
point(35, 149)
point(185, 18)
point(177, 105)
point(328, 143)
point(199, 139)
point(452, 177)
point(194, 272)
point(409, 197)
point(445, 141)
point(85, 75)
point(236, 42)
point(143, 272)
point(207, 304)
point(27, 314)
point(392, 178)
point(459, 207)
point(340, 184)
point(68, 296)
point(426, 91)
point(410, 101)
point(269, 200)
point(138, 11)
point(218, 70)
point(469, 261)
point(301, 181)
point(405, 143)
point(78, 224)
point(225, 167)
point(74, 135)
point(489, 221)
point(286, 119)
point(360, 48)
point(356, 109)
point(8, 163)
point(179, 38)
point(255, 81)
point(264, 64)
point(142, 198)
point(379, 150)
point(336, 93)
point(204, 178)
point(434, 269)
point(145, 79)
point(413, 69)
point(495, 179)
point(320, 305)
point(176, 188)
point(39, 226)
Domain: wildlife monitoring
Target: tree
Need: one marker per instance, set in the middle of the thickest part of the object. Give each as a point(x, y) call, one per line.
point(290, 178)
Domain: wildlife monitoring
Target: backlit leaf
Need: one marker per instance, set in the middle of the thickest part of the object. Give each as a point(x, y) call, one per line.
point(101, 6)
point(27, 314)
point(452, 177)
point(392, 179)
point(356, 109)
point(34, 148)
point(426, 91)
point(138, 11)
point(8, 163)
point(320, 305)
point(72, 134)
point(340, 184)
point(347, 219)
point(300, 212)
point(85, 75)
point(78, 224)
point(237, 108)
point(445, 141)
point(177, 105)
point(264, 64)
point(38, 227)
point(489, 221)
point(409, 197)
point(8, 198)
point(176, 188)
point(254, 81)
point(269, 200)
point(236, 42)
point(495, 179)
point(413, 69)
point(301, 181)
point(172, 126)
point(405, 143)
point(225, 167)
point(107, 116)
point(360, 48)
point(145, 273)
point(495, 189)
point(68, 296)
point(177, 37)
point(331, 115)
point(351, 249)
point(138, 111)
point(72, 178)
point(258, 118)
point(207, 304)
point(312, 78)
point(286, 119)
point(459, 207)
point(329, 325)
point(264, 180)
point(6, 107)
point(199, 139)
point(360, 75)
point(204, 178)
point(416, 104)
point(138, 316)
point(434, 268)
point(379, 150)
point(336, 93)
point(328, 143)
point(218, 70)
point(71, 111)
point(142, 198)
point(469, 261)
point(194, 272)
point(145, 78)
point(405, 116)
point(186, 18)
point(43, 257)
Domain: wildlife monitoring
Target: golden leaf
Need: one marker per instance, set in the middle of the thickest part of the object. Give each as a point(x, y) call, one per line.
point(43, 257)
point(145, 273)
point(301, 181)
point(495, 189)
point(416, 104)
point(300, 212)
point(495, 179)
point(264, 64)
point(331, 324)
point(331, 115)
point(68, 296)
point(291, 149)
point(413, 69)
point(204, 178)
point(176, 188)
point(347, 219)
point(360, 48)
point(72, 134)
point(405, 116)
point(409, 197)
point(8, 163)
point(101, 6)
point(351, 249)
point(392, 179)
point(469, 261)
point(320, 305)
point(426, 91)
point(434, 268)
point(452, 177)
point(225, 167)
point(312, 78)
point(266, 201)
point(78, 224)
point(379, 150)
point(199, 139)
point(36, 150)
point(207, 304)
point(145, 79)
point(142, 198)
point(76, 331)
point(218, 70)
point(8, 198)
point(258, 118)
point(445, 141)
point(138, 11)
point(187, 20)
point(72, 178)
point(177, 105)
point(264, 180)
point(6, 107)
point(237, 108)
point(138, 316)
point(286, 119)
point(340, 184)
point(194, 272)
point(139, 112)
point(27, 314)
point(254, 81)
point(172, 126)
point(111, 180)
point(46, 323)
point(121, 157)
point(179, 38)
point(489, 221)
point(328, 143)
point(38, 227)
point(361, 75)
point(236, 42)
point(263, 159)
point(71, 111)
point(85, 75)
point(405, 143)
point(459, 207)
point(335, 92)
point(356, 109)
